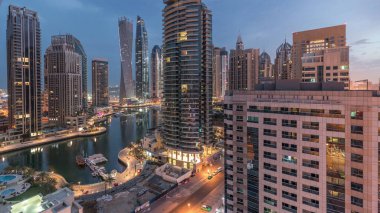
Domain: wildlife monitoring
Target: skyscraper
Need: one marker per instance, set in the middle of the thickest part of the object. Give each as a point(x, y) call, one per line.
point(219, 72)
point(80, 50)
point(187, 106)
point(126, 39)
point(100, 90)
point(266, 66)
point(321, 55)
point(302, 147)
point(142, 60)
point(63, 70)
point(24, 72)
point(283, 62)
point(156, 66)
point(244, 67)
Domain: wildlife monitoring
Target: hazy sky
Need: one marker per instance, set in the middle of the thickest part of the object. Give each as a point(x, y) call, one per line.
point(263, 24)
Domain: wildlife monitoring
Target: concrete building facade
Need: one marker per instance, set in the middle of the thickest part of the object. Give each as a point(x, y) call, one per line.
point(243, 67)
point(302, 148)
point(63, 72)
point(219, 72)
point(321, 55)
point(100, 90)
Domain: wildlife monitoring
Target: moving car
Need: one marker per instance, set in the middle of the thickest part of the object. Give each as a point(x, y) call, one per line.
point(210, 177)
point(206, 208)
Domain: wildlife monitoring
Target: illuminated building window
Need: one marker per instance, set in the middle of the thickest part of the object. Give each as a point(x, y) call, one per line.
point(184, 88)
point(182, 36)
point(167, 59)
point(184, 52)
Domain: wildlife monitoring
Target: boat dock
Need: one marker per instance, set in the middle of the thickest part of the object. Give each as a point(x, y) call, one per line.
point(92, 162)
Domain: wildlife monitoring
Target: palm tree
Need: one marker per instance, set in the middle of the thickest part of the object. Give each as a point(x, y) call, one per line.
point(107, 181)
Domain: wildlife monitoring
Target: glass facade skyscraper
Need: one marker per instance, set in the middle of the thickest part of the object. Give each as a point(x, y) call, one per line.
point(126, 39)
point(142, 60)
point(156, 62)
point(187, 91)
point(24, 72)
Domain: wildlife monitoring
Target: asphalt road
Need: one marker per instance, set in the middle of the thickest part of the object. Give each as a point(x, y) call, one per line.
point(193, 203)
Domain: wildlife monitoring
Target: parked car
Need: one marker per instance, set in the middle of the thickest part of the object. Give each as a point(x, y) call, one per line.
point(206, 208)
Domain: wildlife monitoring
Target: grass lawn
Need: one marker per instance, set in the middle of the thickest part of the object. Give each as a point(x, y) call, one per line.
point(32, 191)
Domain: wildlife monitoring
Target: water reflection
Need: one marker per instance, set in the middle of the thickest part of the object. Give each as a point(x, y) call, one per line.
point(60, 157)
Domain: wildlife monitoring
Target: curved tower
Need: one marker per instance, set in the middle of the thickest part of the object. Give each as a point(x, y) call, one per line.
point(187, 83)
point(142, 60)
point(266, 66)
point(156, 72)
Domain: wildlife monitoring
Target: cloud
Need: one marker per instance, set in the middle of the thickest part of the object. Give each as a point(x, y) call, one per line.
point(362, 42)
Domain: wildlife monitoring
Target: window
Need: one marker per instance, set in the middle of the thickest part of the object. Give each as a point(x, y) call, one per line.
point(357, 187)
point(356, 201)
point(310, 202)
point(289, 196)
point(310, 150)
point(239, 118)
point(239, 149)
point(239, 180)
point(271, 144)
point(269, 155)
point(270, 190)
point(239, 128)
point(310, 125)
point(335, 127)
point(239, 170)
point(239, 190)
point(335, 67)
point(357, 115)
point(239, 159)
point(335, 112)
point(269, 132)
point(289, 135)
point(310, 176)
point(270, 201)
point(328, 68)
point(356, 158)
point(335, 140)
point(270, 178)
point(239, 108)
point(356, 129)
point(310, 138)
point(290, 184)
point(289, 159)
point(289, 123)
point(289, 208)
point(270, 121)
point(310, 163)
point(288, 171)
point(357, 172)
point(239, 139)
point(357, 143)
point(252, 119)
point(289, 147)
point(310, 189)
point(270, 167)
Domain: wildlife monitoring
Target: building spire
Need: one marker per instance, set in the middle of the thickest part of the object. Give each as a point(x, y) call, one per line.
point(239, 43)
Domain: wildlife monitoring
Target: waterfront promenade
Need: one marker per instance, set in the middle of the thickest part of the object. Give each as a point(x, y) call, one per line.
point(52, 139)
point(129, 173)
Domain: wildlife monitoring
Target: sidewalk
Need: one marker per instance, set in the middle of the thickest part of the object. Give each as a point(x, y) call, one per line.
point(52, 139)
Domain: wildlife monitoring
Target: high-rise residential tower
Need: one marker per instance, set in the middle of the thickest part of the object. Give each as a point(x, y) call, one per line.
point(266, 66)
point(126, 41)
point(100, 90)
point(302, 147)
point(24, 72)
point(80, 50)
point(142, 60)
point(156, 66)
point(63, 70)
point(187, 105)
point(243, 67)
point(219, 72)
point(321, 55)
point(283, 62)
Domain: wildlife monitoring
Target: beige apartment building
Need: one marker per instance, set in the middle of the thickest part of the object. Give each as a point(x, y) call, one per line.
point(321, 55)
point(302, 147)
